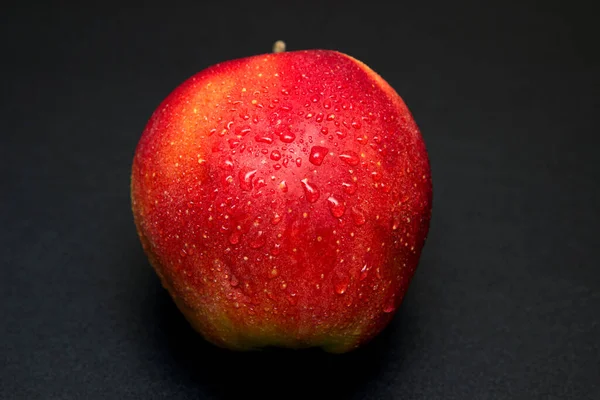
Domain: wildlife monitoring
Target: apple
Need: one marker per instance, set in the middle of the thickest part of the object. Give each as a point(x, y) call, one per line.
point(283, 200)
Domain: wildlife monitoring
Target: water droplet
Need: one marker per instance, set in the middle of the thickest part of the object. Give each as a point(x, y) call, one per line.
point(275, 155)
point(260, 183)
point(292, 299)
point(283, 186)
point(395, 222)
point(319, 117)
point(350, 187)
point(276, 249)
point(277, 167)
point(287, 137)
point(242, 130)
point(228, 164)
point(364, 272)
point(234, 238)
point(276, 219)
point(245, 176)
point(389, 306)
point(356, 125)
point(324, 130)
point(311, 191)
point(298, 162)
point(327, 104)
point(341, 287)
point(376, 175)
point(336, 207)
point(315, 98)
point(259, 240)
point(362, 139)
point(234, 281)
point(341, 134)
point(349, 157)
point(233, 143)
point(358, 216)
point(264, 139)
point(317, 155)
point(330, 117)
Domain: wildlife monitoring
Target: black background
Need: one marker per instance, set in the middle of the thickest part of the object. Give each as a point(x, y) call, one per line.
point(506, 301)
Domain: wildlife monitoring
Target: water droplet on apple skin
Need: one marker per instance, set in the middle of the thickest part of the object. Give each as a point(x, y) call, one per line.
point(317, 155)
point(376, 175)
point(287, 137)
point(275, 155)
point(364, 272)
point(258, 241)
point(350, 157)
point(341, 287)
point(358, 216)
point(227, 164)
point(276, 219)
point(390, 304)
point(263, 139)
point(233, 143)
point(336, 207)
point(276, 249)
point(395, 221)
point(311, 191)
point(283, 186)
point(234, 238)
point(245, 176)
point(350, 187)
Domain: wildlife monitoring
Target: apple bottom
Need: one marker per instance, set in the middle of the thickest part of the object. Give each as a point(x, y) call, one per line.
point(228, 327)
point(221, 332)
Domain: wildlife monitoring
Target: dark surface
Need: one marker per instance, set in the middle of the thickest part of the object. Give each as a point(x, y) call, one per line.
point(506, 301)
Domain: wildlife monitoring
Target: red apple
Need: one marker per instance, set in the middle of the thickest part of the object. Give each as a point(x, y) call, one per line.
point(283, 200)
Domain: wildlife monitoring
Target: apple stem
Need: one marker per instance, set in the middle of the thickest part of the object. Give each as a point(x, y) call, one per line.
point(279, 46)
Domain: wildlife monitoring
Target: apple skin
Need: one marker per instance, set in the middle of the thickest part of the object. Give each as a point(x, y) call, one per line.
point(283, 200)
